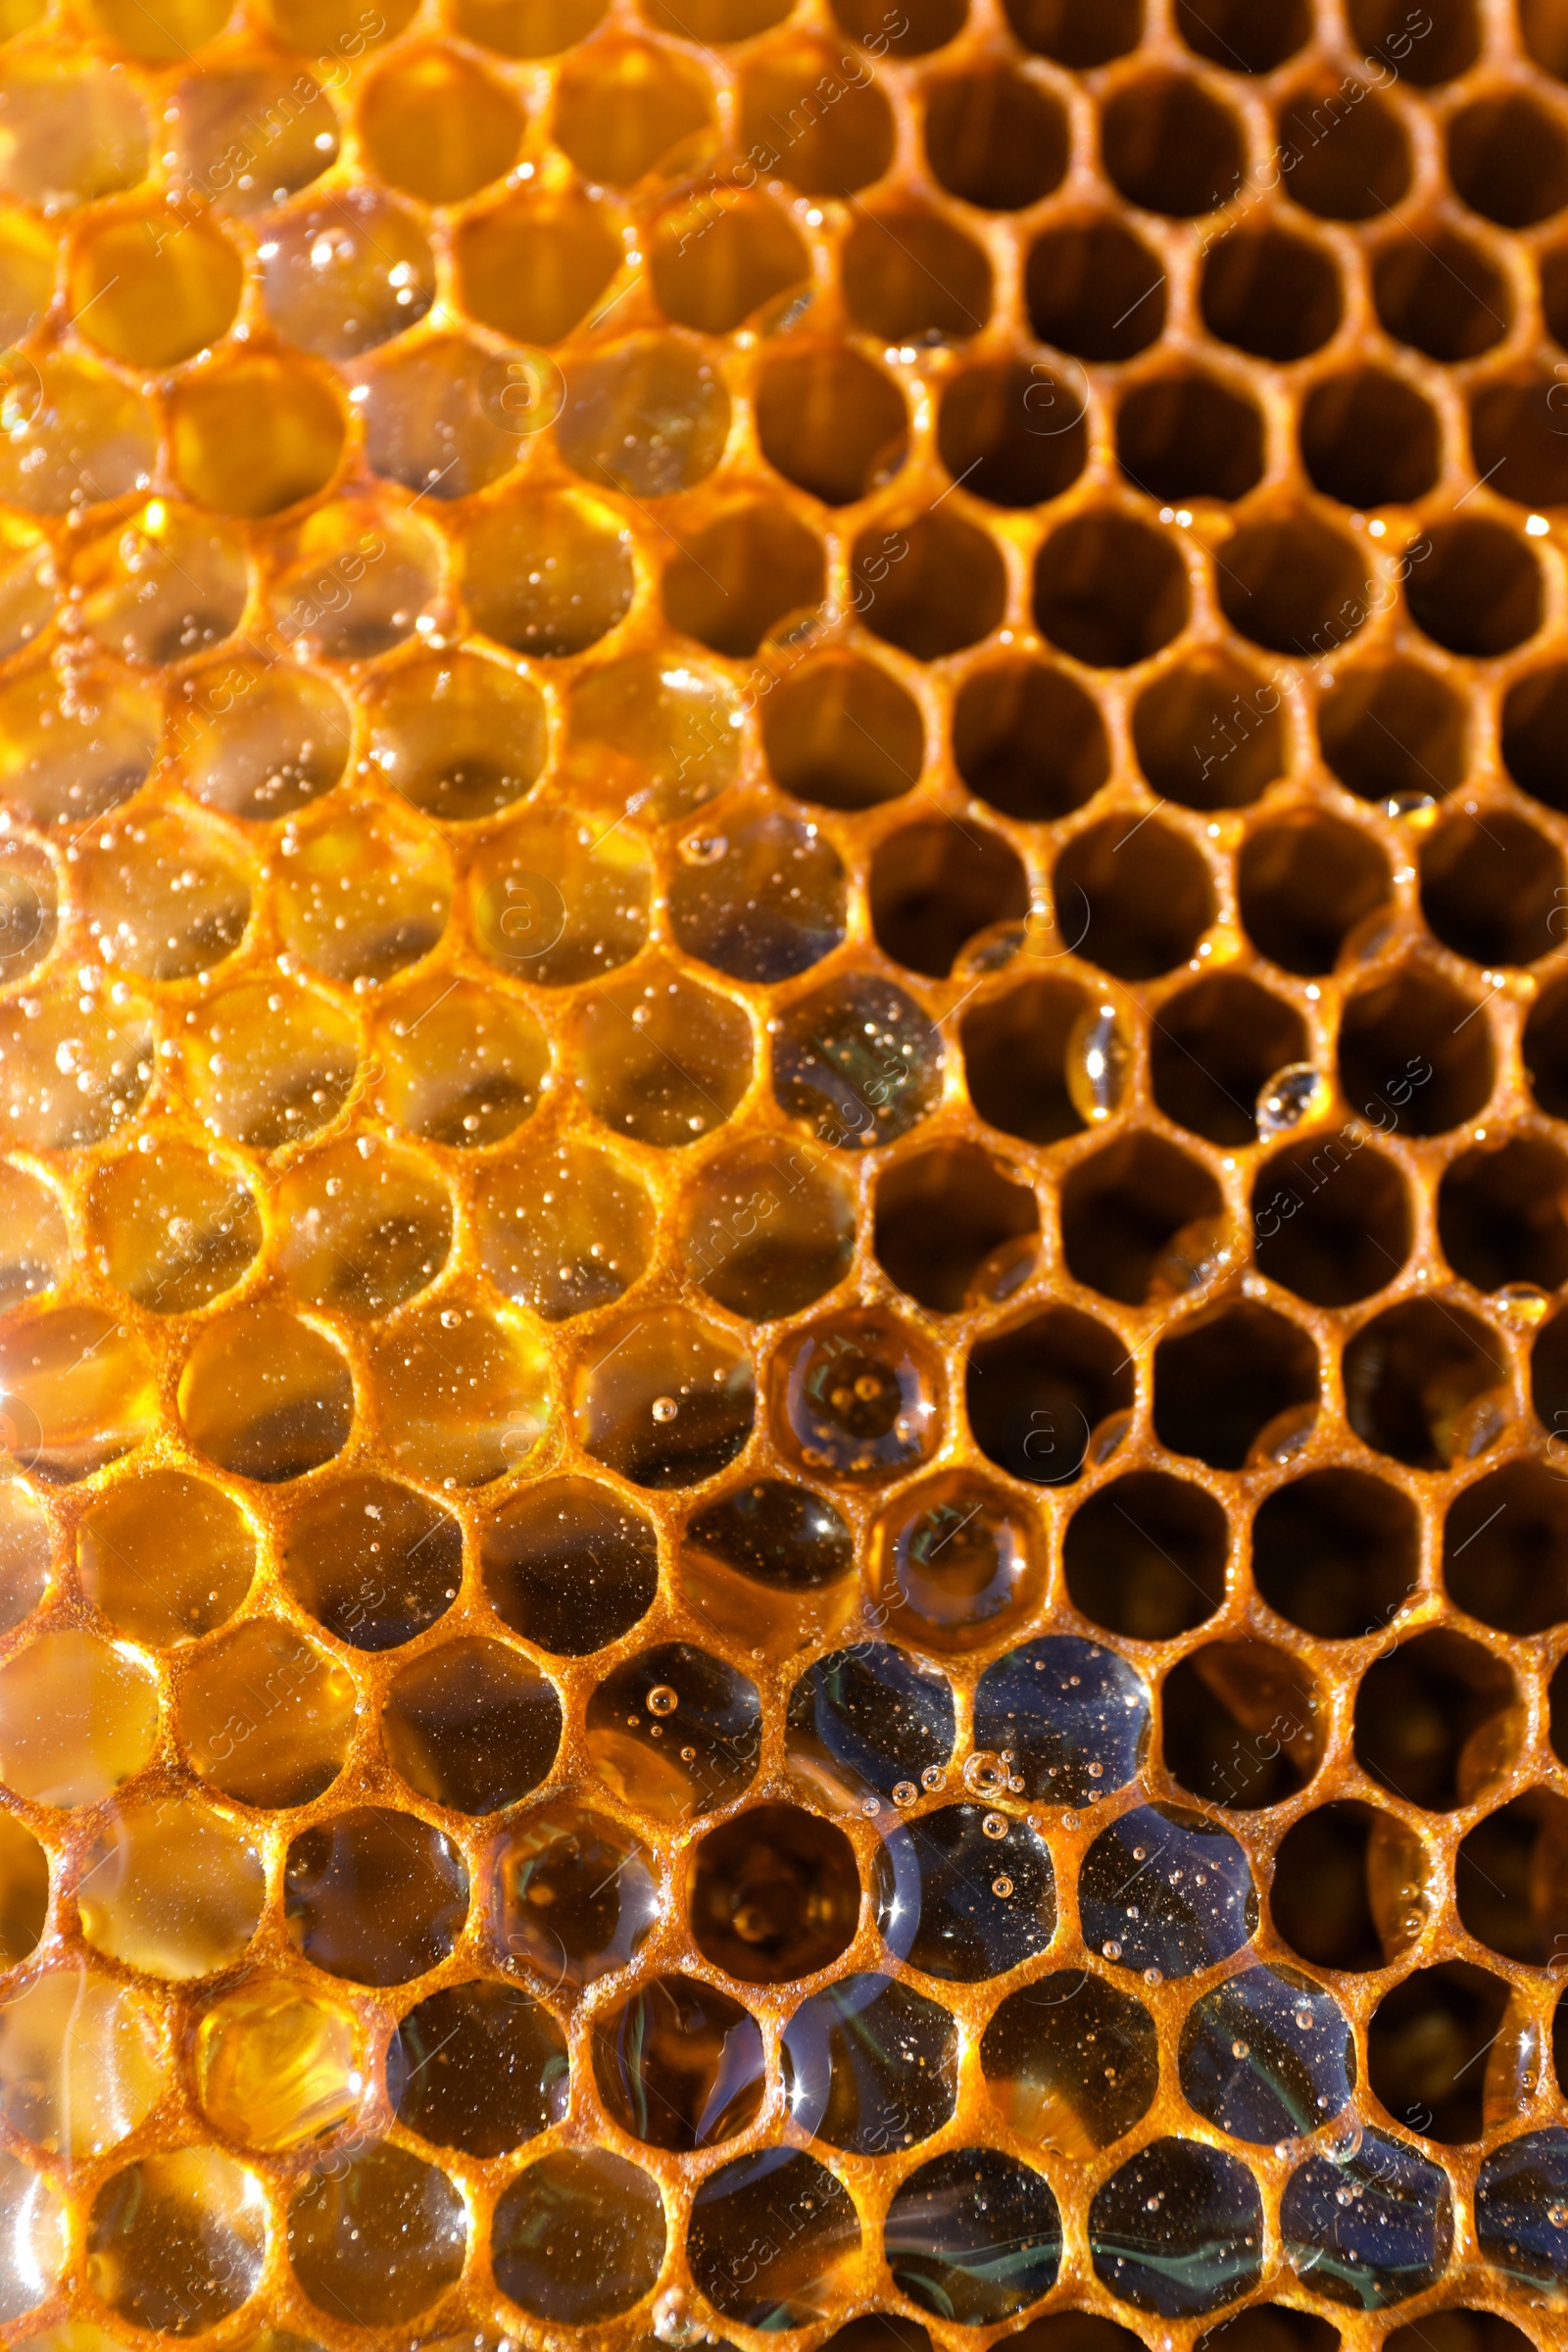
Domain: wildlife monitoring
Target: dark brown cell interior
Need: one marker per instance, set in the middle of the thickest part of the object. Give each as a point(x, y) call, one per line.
point(1337, 1553)
point(939, 1216)
point(1145, 1556)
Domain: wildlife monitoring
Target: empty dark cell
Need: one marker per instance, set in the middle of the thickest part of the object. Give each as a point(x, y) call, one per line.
point(869, 2065)
point(1393, 727)
point(1369, 439)
point(480, 2066)
point(730, 583)
point(471, 1725)
point(930, 586)
point(1545, 1050)
point(1331, 1220)
point(1073, 1716)
point(995, 140)
point(1426, 2048)
point(1013, 434)
point(865, 1719)
point(1343, 151)
point(1519, 438)
point(1144, 891)
point(1535, 734)
point(1219, 1381)
point(1036, 1393)
point(1270, 2327)
point(831, 421)
point(1304, 885)
point(1474, 586)
point(1294, 584)
point(933, 886)
point(879, 2332)
point(1110, 590)
point(942, 2231)
point(927, 25)
point(1164, 1887)
point(1171, 146)
point(1510, 1880)
point(1240, 1725)
point(1178, 2229)
point(1459, 2331)
point(1145, 1556)
point(941, 1216)
point(1120, 1210)
point(1245, 36)
point(1213, 1048)
point(1270, 293)
point(1506, 1549)
point(1029, 740)
point(960, 1902)
point(1318, 1897)
point(1421, 1382)
point(1078, 32)
point(1508, 159)
point(1418, 1711)
point(1433, 45)
point(1441, 294)
point(908, 275)
point(1500, 1216)
point(1411, 1056)
point(1014, 1054)
point(1268, 2055)
point(1335, 1552)
point(1207, 734)
point(1190, 436)
point(772, 1893)
point(1370, 2228)
point(1095, 289)
point(1521, 2194)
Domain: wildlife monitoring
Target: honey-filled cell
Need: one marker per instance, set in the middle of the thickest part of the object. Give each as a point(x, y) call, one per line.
point(784, 1175)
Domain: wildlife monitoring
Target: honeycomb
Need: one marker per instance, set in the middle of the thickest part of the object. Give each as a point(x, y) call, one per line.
point(785, 1174)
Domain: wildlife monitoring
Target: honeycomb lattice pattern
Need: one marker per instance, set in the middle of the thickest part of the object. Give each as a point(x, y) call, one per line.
point(783, 1022)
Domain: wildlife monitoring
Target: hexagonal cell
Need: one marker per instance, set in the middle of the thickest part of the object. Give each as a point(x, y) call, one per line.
point(1369, 439)
point(1110, 589)
point(160, 286)
point(166, 1557)
point(177, 2240)
point(1514, 439)
point(1122, 1208)
point(374, 1895)
point(1501, 1214)
point(1271, 292)
point(931, 584)
point(1222, 1378)
point(661, 1059)
point(478, 2067)
point(1359, 164)
point(1437, 1719)
point(1410, 1049)
point(375, 1562)
point(266, 1716)
point(1029, 740)
point(79, 2062)
point(1145, 1556)
point(1188, 435)
point(1508, 158)
point(845, 145)
point(1474, 587)
point(364, 1245)
point(1492, 887)
point(462, 1065)
point(995, 140)
point(768, 1566)
point(620, 108)
point(649, 415)
point(545, 573)
point(857, 1397)
point(255, 434)
point(869, 2065)
point(679, 2064)
point(1015, 1050)
point(842, 732)
point(774, 1893)
point(764, 1232)
point(755, 2201)
point(866, 1721)
point(216, 118)
point(731, 584)
point(1304, 883)
point(1425, 2044)
point(1332, 1223)
point(1293, 583)
point(763, 900)
point(1241, 1724)
point(165, 585)
point(665, 1400)
point(1426, 1384)
point(1170, 145)
point(936, 2238)
point(675, 1731)
point(1506, 1549)
point(857, 1058)
point(1337, 1553)
point(1011, 433)
point(1045, 2057)
point(276, 2065)
point(461, 1392)
point(1135, 915)
point(436, 125)
point(942, 1217)
point(561, 1231)
point(471, 1725)
point(266, 1397)
point(445, 418)
point(831, 423)
point(1267, 2054)
point(1037, 1394)
point(720, 255)
point(569, 1566)
point(574, 1894)
point(340, 279)
point(989, 1580)
point(377, 2238)
point(173, 1229)
point(907, 273)
point(1510, 1880)
point(1196, 1899)
point(1095, 289)
point(1336, 1895)
point(933, 885)
point(258, 743)
point(1212, 1050)
point(171, 1888)
point(1442, 293)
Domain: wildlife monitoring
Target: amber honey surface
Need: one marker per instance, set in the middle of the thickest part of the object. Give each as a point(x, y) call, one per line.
point(783, 1060)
